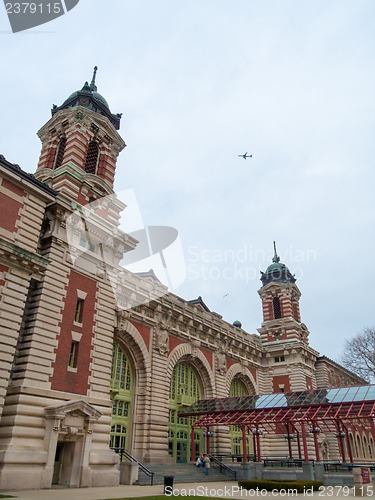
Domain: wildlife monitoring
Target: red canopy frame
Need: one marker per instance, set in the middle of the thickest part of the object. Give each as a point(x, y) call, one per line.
point(340, 411)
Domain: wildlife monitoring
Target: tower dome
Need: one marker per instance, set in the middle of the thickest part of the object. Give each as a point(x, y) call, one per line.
point(90, 98)
point(277, 272)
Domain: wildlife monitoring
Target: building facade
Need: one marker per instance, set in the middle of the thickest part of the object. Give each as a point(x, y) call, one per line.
point(94, 357)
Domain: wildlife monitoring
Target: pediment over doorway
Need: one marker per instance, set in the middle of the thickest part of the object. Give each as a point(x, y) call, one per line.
point(73, 418)
point(73, 408)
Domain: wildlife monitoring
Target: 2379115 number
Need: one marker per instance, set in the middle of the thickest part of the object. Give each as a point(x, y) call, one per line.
point(345, 491)
point(34, 8)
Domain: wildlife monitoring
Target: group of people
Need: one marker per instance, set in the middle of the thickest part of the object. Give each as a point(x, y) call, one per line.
point(204, 461)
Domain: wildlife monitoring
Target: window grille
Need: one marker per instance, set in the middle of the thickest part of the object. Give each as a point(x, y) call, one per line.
point(60, 152)
point(92, 157)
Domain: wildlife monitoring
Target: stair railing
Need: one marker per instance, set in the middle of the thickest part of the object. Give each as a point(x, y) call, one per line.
point(126, 455)
point(224, 467)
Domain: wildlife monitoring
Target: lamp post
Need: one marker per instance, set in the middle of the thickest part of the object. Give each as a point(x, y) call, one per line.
point(289, 437)
point(341, 437)
point(256, 435)
point(208, 435)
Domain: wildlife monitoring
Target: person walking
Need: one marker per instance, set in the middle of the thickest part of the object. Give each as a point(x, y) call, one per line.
point(207, 463)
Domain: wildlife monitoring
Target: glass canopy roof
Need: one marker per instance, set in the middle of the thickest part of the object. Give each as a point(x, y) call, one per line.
point(287, 400)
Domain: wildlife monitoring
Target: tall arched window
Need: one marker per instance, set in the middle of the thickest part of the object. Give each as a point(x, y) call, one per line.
point(92, 157)
point(122, 391)
point(60, 152)
point(185, 390)
point(276, 307)
point(238, 389)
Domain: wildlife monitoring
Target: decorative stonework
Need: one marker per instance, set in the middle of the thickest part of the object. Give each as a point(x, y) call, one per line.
point(162, 341)
point(72, 417)
point(164, 325)
point(122, 316)
point(195, 345)
point(221, 361)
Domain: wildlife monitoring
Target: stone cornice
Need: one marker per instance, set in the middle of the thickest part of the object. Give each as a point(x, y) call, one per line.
point(78, 116)
point(26, 180)
point(188, 323)
point(23, 259)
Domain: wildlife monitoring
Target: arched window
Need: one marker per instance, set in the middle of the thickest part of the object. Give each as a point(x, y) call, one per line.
point(276, 307)
point(365, 448)
point(352, 444)
point(60, 152)
point(185, 390)
point(359, 447)
point(371, 448)
point(236, 390)
point(92, 157)
point(122, 390)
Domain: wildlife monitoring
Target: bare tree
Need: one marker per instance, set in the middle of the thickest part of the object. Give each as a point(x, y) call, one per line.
point(359, 354)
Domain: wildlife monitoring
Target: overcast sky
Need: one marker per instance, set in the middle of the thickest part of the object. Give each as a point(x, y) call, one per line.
point(200, 82)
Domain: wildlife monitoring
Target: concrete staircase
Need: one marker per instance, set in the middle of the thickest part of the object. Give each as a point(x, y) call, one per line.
point(183, 473)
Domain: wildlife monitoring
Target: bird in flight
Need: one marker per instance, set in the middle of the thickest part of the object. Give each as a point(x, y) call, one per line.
point(245, 156)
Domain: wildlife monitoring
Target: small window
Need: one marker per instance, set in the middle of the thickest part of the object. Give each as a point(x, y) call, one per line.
point(279, 359)
point(73, 354)
point(281, 389)
point(84, 243)
point(79, 311)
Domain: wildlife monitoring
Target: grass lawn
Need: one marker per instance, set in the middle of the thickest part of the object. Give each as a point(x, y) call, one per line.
point(162, 497)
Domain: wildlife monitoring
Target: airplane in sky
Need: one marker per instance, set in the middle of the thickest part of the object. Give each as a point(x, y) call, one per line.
point(245, 156)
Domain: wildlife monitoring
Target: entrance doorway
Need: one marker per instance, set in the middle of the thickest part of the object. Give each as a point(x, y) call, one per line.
point(67, 464)
point(58, 463)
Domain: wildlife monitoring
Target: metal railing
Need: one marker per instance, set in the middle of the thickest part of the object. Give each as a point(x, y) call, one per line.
point(346, 466)
point(284, 462)
point(125, 455)
point(223, 467)
point(234, 457)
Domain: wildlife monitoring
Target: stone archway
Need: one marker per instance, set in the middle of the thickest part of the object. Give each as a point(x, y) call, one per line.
point(246, 387)
point(188, 372)
point(192, 354)
point(242, 372)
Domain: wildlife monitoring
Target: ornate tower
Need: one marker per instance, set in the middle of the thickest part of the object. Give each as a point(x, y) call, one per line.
point(280, 300)
point(289, 358)
point(80, 146)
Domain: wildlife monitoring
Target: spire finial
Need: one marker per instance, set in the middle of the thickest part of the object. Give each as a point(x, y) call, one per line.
point(276, 258)
point(93, 87)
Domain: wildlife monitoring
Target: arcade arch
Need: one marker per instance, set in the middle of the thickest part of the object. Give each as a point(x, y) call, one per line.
point(129, 374)
point(240, 385)
point(191, 379)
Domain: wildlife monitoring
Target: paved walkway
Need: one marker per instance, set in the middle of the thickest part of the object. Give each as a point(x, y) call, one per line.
point(214, 490)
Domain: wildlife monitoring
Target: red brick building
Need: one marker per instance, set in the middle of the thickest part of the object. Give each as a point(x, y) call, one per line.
point(94, 357)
